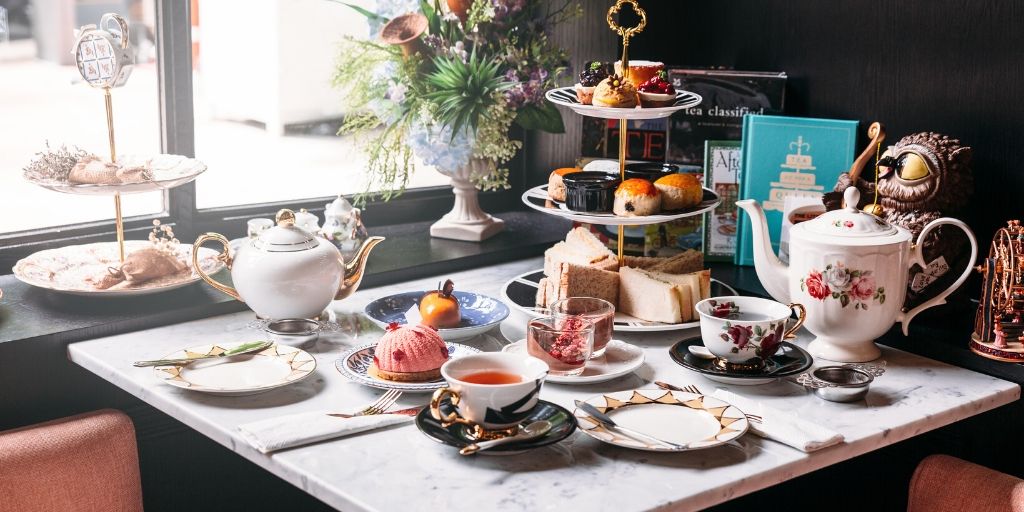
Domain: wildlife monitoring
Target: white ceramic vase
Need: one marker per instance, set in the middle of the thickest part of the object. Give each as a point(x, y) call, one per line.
point(467, 221)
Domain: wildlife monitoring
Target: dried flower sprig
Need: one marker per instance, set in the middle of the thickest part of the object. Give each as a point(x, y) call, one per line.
point(162, 237)
point(54, 164)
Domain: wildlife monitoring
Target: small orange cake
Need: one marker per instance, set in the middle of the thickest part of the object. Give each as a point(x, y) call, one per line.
point(556, 188)
point(409, 354)
point(636, 197)
point(440, 309)
point(679, 191)
point(640, 71)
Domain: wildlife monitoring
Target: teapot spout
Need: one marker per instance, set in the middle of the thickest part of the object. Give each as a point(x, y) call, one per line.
point(774, 275)
point(355, 269)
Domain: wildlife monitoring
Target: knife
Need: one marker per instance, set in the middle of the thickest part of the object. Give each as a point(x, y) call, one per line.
point(606, 420)
point(245, 348)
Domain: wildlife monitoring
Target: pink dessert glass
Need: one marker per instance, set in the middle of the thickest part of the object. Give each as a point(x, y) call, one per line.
point(564, 343)
point(598, 311)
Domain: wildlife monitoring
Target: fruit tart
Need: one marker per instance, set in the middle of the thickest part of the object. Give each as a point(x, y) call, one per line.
point(592, 74)
point(657, 92)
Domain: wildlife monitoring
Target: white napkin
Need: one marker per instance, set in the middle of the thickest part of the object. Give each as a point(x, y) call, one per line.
point(310, 427)
point(785, 428)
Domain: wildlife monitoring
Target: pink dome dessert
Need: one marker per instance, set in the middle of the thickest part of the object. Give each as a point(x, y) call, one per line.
point(409, 353)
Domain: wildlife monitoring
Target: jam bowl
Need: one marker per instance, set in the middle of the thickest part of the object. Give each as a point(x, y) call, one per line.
point(590, 191)
point(650, 171)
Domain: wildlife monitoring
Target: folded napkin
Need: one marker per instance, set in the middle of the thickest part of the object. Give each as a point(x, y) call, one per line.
point(310, 427)
point(782, 427)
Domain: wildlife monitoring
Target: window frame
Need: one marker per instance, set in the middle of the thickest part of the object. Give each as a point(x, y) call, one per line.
point(177, 133)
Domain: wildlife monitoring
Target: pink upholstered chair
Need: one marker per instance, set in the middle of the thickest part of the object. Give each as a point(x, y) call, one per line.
point(946, 484)
point(80, 463)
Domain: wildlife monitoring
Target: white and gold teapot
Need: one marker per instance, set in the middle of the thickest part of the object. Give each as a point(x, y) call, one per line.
point(287, 272)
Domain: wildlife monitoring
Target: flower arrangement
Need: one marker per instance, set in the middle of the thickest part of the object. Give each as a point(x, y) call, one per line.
point(455, 86)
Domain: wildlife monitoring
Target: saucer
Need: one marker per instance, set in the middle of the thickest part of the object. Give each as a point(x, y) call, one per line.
point(791, 358)
point(480, 313)
point(458, 435)
point(619, 359)
point(355, 365)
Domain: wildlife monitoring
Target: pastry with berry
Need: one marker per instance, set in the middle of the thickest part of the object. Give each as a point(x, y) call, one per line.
point(592, 74)
point(657, 92)
point(615, 92)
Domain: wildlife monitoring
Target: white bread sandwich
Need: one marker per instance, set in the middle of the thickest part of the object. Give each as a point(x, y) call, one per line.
point(694, 287)
point(580, 247)
point(647, 298)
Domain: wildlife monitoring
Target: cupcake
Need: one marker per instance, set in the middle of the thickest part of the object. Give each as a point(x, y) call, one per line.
point(592, 74)
point(615, 92)
point(640, 71)
point(657, 92)
point(409, 354)
point(636, 198)
point(556, 187)
point(679, 191)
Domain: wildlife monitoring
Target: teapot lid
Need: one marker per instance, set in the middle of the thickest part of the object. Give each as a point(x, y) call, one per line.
point(285, 236)
point(849, 221)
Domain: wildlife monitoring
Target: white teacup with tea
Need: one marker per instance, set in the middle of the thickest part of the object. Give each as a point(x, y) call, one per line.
point(493, 391)
point(746, 331)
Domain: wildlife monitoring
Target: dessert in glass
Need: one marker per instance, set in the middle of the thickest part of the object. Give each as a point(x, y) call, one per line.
point(600, 312)
point(564, 342)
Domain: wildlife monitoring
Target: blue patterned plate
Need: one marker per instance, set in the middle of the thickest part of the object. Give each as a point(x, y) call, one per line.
point(355, 365)
point(480, 313)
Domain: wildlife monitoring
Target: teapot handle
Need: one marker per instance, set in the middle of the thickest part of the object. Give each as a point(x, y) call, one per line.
point(225, 256)
point(917, 256)
point(121, 24)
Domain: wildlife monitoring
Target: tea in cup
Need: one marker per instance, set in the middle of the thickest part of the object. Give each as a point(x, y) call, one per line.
point(746, 331)
point(493, 391)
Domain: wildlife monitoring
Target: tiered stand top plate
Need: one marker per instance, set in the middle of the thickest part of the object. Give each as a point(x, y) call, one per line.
point(537, 198)
point(566, 97)
point(169, 171)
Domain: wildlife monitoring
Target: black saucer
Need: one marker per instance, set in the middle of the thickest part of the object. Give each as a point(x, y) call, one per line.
point(563, 423)
point(791, 358)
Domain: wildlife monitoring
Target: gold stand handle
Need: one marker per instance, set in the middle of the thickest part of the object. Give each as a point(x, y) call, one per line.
point(801, 315)
point(225, 256)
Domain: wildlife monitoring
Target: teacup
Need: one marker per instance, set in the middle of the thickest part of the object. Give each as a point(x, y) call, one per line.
point(746, 331)
point(492, 391)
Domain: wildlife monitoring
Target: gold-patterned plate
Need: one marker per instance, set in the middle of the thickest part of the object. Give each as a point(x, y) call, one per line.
point(690, 420)
point(278, 365)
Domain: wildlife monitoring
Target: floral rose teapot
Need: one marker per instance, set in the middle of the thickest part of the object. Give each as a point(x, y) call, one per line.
point(287, 272)
point(850, 270)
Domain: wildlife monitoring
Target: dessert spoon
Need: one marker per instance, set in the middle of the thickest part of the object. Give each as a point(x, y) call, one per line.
point(531, 431)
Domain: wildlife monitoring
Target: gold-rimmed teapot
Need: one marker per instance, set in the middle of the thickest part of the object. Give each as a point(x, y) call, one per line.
point(287, 272)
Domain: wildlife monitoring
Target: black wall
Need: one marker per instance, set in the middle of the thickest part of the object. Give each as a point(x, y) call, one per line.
point(951, 66)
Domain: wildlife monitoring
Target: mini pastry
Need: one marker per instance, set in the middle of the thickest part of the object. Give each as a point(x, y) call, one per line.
point(615, 92)
point(679, 191)
point(657, 92)
point(556, 187)
point(409, 354)
point(590, 77)
point(640, 71)
point(440, 309)
point(636, 198)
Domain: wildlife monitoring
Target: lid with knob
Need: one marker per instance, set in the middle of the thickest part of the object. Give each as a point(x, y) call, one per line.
point(851, 223)
point(285, 236)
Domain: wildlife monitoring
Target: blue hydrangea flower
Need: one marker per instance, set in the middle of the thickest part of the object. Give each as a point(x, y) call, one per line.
point(435, 146)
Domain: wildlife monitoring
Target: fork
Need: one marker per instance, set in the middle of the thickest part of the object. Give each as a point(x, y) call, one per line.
point(378, 407)
point(693, 389)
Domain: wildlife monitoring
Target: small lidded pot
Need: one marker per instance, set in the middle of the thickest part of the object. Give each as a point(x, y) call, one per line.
point(650, 171)
point(590, 191)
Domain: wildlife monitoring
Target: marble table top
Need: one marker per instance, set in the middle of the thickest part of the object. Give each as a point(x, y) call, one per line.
point(914, 396)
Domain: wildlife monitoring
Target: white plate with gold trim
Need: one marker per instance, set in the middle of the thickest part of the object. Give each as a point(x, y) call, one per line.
point(277, 366)
point(691, 420)
point(620, 358)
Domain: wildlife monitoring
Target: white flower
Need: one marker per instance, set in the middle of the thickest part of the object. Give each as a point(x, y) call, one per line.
point(838, 277)
point(396, 92)
point(435, 146)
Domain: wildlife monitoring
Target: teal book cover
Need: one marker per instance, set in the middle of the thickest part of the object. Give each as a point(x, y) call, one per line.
point(784, 157)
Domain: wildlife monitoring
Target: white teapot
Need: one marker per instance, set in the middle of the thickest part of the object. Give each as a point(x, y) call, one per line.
point(287, 272)
point(850, 270)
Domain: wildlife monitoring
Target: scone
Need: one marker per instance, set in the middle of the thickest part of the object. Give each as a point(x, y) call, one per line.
point(636, 198)
point(409, 354)
point(556, 187)
point(679, 191)
point(615, 92)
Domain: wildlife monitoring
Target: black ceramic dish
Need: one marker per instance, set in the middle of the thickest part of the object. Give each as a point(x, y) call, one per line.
point(650, 171)
point(590, 191)
point(789, 360)
point(563, 423)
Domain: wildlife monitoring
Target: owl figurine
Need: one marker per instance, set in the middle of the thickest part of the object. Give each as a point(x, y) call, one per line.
point(923, 177)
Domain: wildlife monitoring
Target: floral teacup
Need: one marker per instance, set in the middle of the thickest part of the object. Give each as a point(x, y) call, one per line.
point(746, 331)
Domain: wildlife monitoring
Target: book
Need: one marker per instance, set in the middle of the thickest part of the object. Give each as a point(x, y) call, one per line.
point(727, 95)
point(782, 157)
point(721, 174)
point(646, 139)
